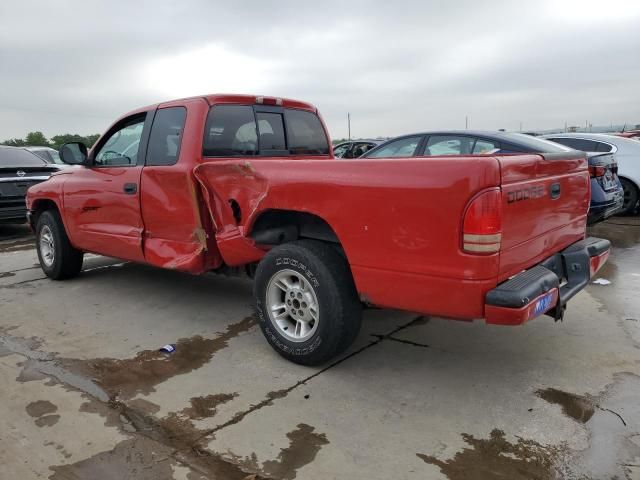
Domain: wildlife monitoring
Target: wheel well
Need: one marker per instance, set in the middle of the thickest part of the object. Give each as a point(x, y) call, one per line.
point(632, 182)
point(275, 227)
point(40, 206)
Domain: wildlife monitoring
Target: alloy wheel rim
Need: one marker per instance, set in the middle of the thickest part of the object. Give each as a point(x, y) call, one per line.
point(47, 247)
point(292, 305)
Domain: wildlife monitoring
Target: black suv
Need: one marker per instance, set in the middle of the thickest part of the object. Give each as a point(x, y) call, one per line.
point(19, 169)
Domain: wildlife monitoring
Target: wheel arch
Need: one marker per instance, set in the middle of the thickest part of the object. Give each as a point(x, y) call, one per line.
point(278, 226)
point(39, 206)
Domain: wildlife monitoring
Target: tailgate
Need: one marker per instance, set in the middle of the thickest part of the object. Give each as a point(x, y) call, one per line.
point(544, 207)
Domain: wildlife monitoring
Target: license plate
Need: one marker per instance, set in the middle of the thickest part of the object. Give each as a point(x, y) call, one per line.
point(543, 304)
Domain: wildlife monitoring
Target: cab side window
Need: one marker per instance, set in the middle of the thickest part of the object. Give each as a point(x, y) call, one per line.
point(121, 147)
point(230, 131)
point(166, 136)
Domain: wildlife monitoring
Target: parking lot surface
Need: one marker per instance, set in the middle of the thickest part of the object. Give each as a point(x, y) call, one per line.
point(85, 393)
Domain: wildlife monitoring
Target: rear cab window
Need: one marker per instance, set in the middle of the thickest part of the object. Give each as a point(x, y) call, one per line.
point(244, 130)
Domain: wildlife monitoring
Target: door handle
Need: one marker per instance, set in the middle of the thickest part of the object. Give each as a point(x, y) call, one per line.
point(130, 188)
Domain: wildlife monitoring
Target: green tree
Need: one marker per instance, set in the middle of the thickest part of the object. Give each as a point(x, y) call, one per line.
point(58, 140)
point(15, 142)
point(91, 139)
point(36, 139)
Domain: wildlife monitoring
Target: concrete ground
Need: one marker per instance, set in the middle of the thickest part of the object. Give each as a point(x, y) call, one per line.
point(84, 393)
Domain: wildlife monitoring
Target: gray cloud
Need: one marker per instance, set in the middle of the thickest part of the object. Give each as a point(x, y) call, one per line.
point(396, 66)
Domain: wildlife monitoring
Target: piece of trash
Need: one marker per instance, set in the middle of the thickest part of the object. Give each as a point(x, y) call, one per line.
point(307, 396)
point(168, 348)
point(602, 281)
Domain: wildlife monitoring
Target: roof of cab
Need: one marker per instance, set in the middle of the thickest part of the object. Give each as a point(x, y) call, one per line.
point(227, 98)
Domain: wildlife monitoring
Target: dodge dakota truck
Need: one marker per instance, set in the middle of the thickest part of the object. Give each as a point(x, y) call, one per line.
point(229, 182)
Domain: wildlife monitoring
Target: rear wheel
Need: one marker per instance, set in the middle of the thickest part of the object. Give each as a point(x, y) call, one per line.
point(58, 258)
point(306, 302)
point(630, 197)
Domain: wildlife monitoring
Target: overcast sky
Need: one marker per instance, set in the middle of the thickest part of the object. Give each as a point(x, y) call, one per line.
point(397, 66)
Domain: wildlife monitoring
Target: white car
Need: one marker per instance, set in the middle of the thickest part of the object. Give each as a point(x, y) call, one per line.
point(625, 151)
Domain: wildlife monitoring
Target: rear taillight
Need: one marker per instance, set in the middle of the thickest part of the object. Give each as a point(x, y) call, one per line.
point(482, 227)
point(596, 171)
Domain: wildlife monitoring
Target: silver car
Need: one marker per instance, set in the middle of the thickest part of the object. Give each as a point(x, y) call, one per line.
point(625, 151)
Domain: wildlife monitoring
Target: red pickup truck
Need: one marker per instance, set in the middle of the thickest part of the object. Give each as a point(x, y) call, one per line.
point(234, 181)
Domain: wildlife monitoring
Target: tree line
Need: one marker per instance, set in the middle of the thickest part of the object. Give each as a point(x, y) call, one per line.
point(37, 139)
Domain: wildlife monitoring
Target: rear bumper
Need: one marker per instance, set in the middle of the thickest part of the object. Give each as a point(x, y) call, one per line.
point(547, 287)
point(599, 211)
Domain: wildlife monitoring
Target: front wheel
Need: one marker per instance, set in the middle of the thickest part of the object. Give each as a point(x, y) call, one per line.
point(306, 302)
point(58, 258)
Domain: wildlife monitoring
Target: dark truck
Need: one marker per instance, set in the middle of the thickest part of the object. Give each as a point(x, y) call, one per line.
point(236, 181)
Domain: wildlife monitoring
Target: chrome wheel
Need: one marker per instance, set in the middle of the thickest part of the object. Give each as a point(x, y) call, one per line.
point(292, 305)
point(47, 248)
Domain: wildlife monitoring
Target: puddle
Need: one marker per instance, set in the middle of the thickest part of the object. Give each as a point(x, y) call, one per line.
point(138, 458)
point(304, 445)
point(580, 408)
point(27, 244)
point(140, 375)
point(47, 420)
point(205, 407)
point(40, 408)
point(496, 458)
point(623, 232)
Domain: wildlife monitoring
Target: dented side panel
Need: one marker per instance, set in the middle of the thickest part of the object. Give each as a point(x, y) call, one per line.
point(176, 234)
point(388, 214)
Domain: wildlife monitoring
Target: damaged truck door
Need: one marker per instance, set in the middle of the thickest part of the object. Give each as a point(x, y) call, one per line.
point(223, 181)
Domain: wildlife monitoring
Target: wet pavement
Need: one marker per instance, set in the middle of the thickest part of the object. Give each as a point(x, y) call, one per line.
point(85, 393)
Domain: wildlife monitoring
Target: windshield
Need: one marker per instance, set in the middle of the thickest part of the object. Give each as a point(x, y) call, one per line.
point(18, 157)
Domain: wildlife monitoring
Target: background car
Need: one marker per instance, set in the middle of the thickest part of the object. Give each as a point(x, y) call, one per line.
point(354, 148)
point(48, 154)
point(625, 151)
point(19, 169)
point(606, 190)
point(634, 134)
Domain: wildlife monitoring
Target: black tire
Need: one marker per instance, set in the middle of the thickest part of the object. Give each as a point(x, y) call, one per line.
point(67, 260)
point(630, 197)
point(339, 312)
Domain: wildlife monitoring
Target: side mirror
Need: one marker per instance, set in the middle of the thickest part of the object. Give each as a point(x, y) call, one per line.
point(74, 153)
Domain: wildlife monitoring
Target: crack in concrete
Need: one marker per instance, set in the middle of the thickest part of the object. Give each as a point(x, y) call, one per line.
point(271, 396)
point(407, 342)
point(615, 413)
point(17, 284)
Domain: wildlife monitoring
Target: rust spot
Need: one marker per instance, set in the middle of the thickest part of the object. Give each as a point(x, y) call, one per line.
point(139, 375)
point(200, 236)
point(496, 458)
point(580, 408)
